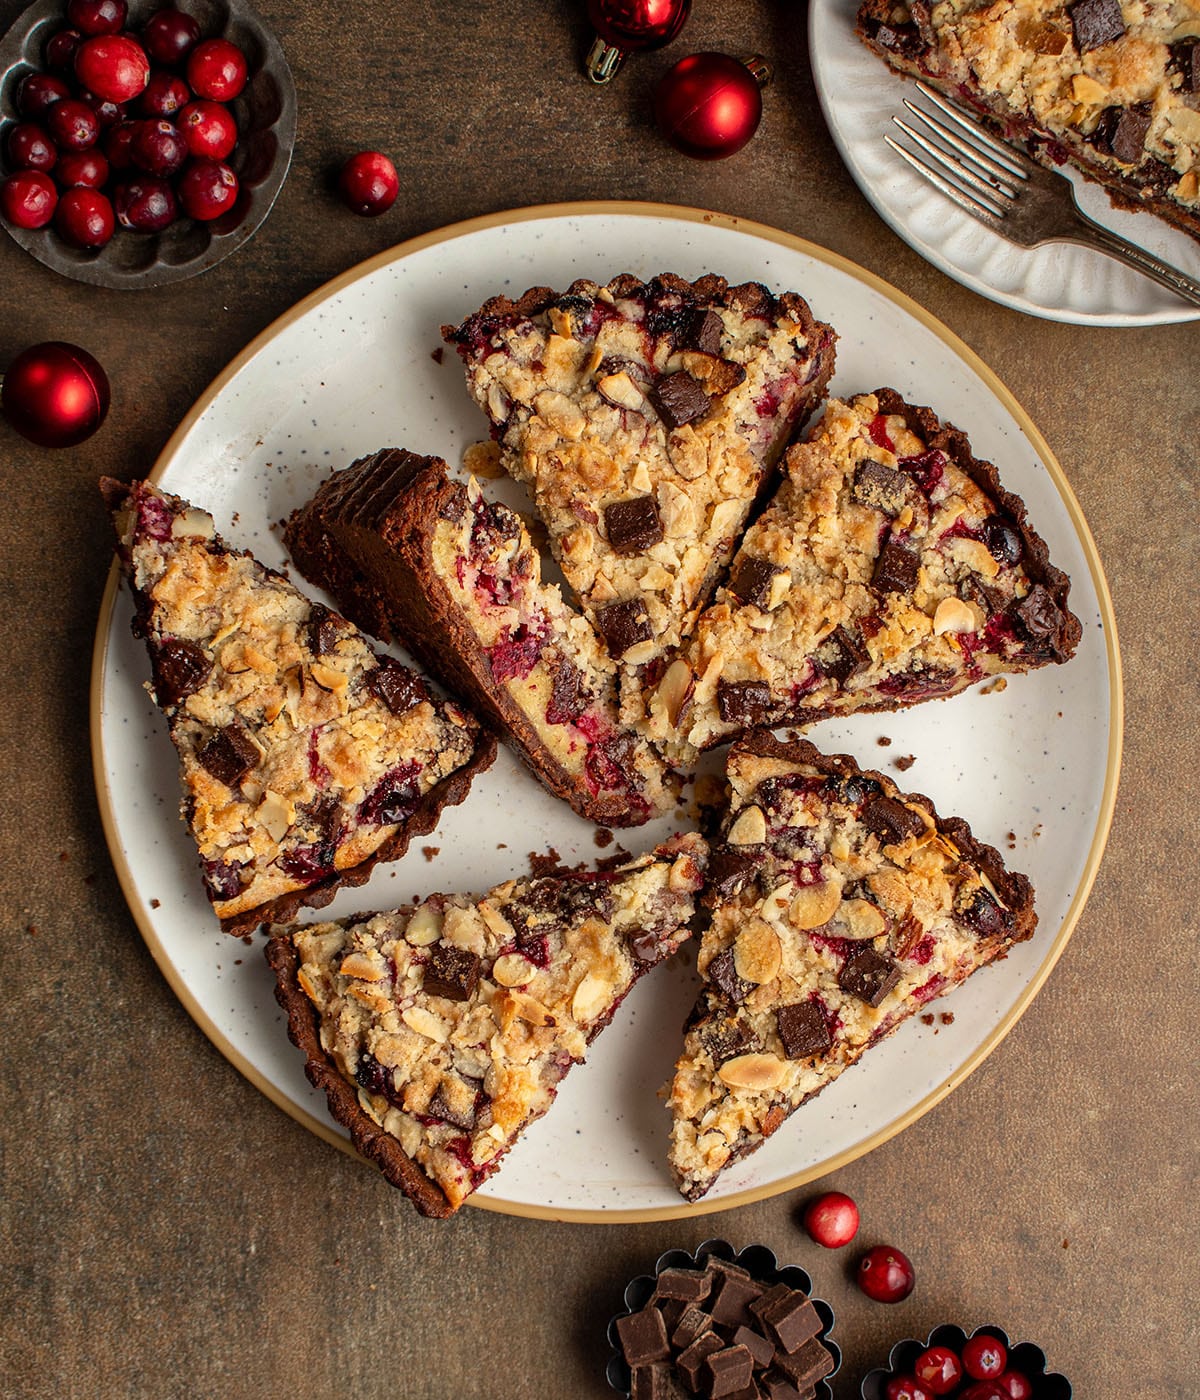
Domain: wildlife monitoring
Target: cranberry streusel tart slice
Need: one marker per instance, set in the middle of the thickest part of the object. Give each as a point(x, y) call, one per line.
point(304, 757)
point(840, 906)
point(440, 1032)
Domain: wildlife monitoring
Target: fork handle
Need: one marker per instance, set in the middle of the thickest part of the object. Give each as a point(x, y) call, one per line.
point(1094, 235)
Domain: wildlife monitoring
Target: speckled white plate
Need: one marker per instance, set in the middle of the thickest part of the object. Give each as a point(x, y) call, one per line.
point(357, 366)
point(860, 95)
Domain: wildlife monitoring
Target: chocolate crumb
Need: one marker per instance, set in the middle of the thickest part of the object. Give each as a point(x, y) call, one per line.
point(430, 851)
point(947, 1018)
point(884, 742)
point(927, 1019)
point(64, 855)
point(905, 762)
point(438, 355)
point(156, 904)
point(603, 837)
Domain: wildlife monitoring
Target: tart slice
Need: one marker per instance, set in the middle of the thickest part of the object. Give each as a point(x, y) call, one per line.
point(645, 418)
point(440, 1032)
point(891, 567)
point(304, 757)
point(840, 906)
point(455, 579)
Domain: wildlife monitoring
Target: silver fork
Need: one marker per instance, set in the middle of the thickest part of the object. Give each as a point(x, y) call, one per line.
point(1018, 199)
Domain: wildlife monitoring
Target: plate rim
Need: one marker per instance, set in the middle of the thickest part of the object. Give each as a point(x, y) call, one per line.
point(732, 223)
point(823, 11)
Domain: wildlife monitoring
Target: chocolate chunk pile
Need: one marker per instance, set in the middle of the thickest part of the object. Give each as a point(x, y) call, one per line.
point(717, 1332)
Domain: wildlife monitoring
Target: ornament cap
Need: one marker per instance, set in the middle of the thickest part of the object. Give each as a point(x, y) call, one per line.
point(762, 71)
point(603, 60)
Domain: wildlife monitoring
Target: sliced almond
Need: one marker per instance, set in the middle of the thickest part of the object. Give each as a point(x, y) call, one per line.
point(620, 391)
point(424, 928)
point(725, 518)
point(512, 970)
point(483, 459)
point(757, 955)
point(465, 929)
point(975, 555)
point(498, 404)
point(954, 615)
point(193, 524)
point(561, 321)
point(685, 875)
point(675, 690)
point(276, 814)
point(1086, 89)
point(753, 1072)
point(775, 906)
point(1186, 121)
point(424, 1022)
point(814, 905)
point(750, 828)
point(496, 922)
point(328, 678)
point(1188, 186)
point(529, 1009)
point(860, 919)
point(367, 966)
point(591, 998)
point(562, 415)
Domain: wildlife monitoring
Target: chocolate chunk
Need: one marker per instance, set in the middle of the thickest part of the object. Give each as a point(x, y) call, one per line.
point(180, 669)
point(451, 972)
point(1096, 22)
point(776, 1386)
point(702, 331)
point(868, 975)
point(643, 1337)
point(892, 821)
point(723, 976)
point(633, 526)
point(1121, 132)
point(229, 755)
point(398, 687)
point(679, 399)
point(729, 868)
point(724, 1268)
point(790, 1319)
point(882, 488)
point(655, 1381)
point(730, 1304)
point(726, 1036)
point(896, 569)
point(1038, 613)
point(728, 1371)
point(744, 702)
point(455, 1101)
point(646, 945)
point(752, 579)
point(693, 1323)
point(1185, 60)
point(808, 1364)
point(689, 1284)
point(569, 695)
point(841, 654)
point(759, 1347)
point(624, 624)
point(324, 630)
point(690, 1362)
point(983, 914)
point(802, 1029)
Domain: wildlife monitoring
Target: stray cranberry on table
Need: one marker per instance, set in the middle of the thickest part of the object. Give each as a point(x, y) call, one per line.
point(885, 1274)
point(368, 183)
point(831, 1219)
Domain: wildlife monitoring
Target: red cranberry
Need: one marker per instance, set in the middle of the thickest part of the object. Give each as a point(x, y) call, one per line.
point(831, 1219)
point(982, 1390)
point(885, 1274)
point(907, 1388)
point(216, 69)
point(112, 66)
point(207, 189)
point(368, 183)
point(73, 125)
point(165, 95)
point(145, 204)
point(82, 168)
point(97, 16)
point(84, 218)
point(940, 1369)
point(158, 149)
point(27, 199)
point(38, 93)
point(169, 36)
point(118, 145)
point(107, 113)
point(984, 1357)
point(1016, 1385)
point(60, 50)
point(30, 148)
point(208, 128)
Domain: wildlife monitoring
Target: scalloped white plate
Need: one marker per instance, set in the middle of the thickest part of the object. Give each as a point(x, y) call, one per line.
point(859, 95)
point(351, 369)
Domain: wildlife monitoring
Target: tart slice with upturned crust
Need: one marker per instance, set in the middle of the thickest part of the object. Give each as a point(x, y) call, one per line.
point(304, 757)
point(891, 567)
point(440, 1032)
point(454, 578)
point(840, 906)
point(645, 417)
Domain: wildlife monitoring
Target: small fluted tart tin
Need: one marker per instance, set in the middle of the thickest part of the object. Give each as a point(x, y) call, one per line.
point(759, 1262)
point(1030, 1360)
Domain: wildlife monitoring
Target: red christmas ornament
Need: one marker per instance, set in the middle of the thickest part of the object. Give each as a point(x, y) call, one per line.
point(55, 394)
point(629, 26)
point(709, 105)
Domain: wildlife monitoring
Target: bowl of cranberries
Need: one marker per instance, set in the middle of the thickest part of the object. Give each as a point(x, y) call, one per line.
point(982, 1366)
point(141, 142)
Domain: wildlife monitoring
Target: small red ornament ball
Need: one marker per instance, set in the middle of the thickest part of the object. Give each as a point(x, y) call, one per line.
point(55, 394)
point(709, 105)
point(638, 24)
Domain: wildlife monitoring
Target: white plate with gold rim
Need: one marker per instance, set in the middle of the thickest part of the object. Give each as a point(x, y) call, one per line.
point(356, 366)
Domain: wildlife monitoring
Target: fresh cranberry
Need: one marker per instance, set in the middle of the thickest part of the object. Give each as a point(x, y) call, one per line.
point(82, 168)
point(158, 149)
point(38, 93)
point(107, 113)
point(60, 50)
point(1016, 1385)
point(907, 1388)
point(165, 95)
point(831, 1219)
point(885, 1274)
point(169, 36)
point(118, 144)
point(112, 66)
point(984, 1357)
point(30, 148)
point(73, 125)
point(940, 1369)
point(982, 1390)
point(84, 218)
point(145, 204)
point(28, 199)
point(207, 189)
point(216, 69)
point(368, 183)
point(97, 16)
point(208, 128)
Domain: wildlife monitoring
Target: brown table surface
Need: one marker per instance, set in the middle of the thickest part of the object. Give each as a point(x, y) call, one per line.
point(164, 1230)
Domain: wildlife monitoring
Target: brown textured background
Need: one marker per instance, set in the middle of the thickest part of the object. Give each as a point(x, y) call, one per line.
point(165, 1231)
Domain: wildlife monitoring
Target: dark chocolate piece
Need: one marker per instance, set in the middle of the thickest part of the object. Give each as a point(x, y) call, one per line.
point(725, 1267)
point(454, 1101)
point(744, 702)
point(891, 820)
point(679, 399)
point(841, 654)
point(689, 1284)
point(1121, 132)
point(728, 1371)
point(1185, 60)
point(726, 1036)
point(1038, 613)
point(752, 580)
point(324, 630)
point(703, 331)
point(634, 525)
point(229, 755)
point(761, 1348)
point(396, 686)
point(776, 1386)
point(1096, 22)
point(624, 624)
point(808, 1364)
point(693, 1323)
point(802, 1029)
point(655, 1381)
point(896, 569)
point(451, 972)
point(569, 695)
point(723, 975)
point(790, 1319)
point(729, 868)
point(868, 975)
point(180, 669)
point(730, 1305)
point(643, 1337)
point(882, 488)
point(690, 1362)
